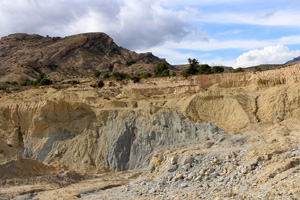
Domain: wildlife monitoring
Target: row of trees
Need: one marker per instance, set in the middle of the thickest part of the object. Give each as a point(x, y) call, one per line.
point(195, 68)
point(162, 70)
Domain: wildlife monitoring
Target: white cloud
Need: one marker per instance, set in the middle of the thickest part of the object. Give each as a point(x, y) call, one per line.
point(133, 24)
point(286, 17)
point(269, 55)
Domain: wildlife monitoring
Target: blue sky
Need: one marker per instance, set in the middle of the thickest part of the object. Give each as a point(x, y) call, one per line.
point(236, 33)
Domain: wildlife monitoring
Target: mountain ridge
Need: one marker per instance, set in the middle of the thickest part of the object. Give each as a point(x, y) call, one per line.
point(25, 57)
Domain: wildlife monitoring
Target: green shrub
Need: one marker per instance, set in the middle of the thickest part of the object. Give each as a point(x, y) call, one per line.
point(38, 82)
point(97, 74)
point(43, 81)
point(161, 70)
point(258, 68)
point(239, 70)
point(135, 79)
point(2, 87)
point(14, 83)
point(173, 74)
point(120, 76)
point(144, 75)
point(100, 84)
point(27, 83)
point(217, 69)
point(105, 76)
point(204, 69)
point(192, 69)
point(73, 82)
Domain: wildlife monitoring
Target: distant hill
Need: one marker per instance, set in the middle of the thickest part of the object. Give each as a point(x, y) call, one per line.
point(25, 57)
point(294, 60)
point(262, 67)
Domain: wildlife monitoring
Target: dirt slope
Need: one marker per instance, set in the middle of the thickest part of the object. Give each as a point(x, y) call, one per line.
point(165, 126)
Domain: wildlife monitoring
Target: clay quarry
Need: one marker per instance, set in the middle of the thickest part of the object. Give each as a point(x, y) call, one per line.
point(216, 136)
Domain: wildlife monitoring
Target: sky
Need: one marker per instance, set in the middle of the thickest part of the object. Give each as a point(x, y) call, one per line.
point(237, 33)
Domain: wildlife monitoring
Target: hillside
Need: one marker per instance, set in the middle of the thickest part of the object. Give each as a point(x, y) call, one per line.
point(233, 135)
point(24, 57)
point(297, 59)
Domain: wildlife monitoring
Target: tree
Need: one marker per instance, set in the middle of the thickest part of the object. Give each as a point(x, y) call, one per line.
point(193, 67)
point(204, 69)
point(239, 70)
point(217, 69)
point(161, 70)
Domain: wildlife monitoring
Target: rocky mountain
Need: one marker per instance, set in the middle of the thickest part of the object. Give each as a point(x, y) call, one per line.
point(24, 57)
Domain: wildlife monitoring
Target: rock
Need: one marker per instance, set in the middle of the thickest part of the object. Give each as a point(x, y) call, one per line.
point(24, 197)
point(220, 140)
point(184, 185)
point(233, 154)
point(152, 190)
point(172, 168)
point(174, 160)
point(244, 171)
point(188, 160)
point(216, 161)
point(156, 161)
point(178, 176)
point(208, 144)
point(187, 167)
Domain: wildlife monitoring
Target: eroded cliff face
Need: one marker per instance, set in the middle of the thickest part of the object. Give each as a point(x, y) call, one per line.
point(123, 124)
point(82, 137)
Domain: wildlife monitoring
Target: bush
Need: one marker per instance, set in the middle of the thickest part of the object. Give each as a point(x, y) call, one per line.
point(217, 69)
point(144, 75)
point(105, 76)
point(38, 82)
point(120, 76)
point(192, 69)
point(97, 74)
point(173, 74)
point(161, 70)
point(43, 81)
point(2, 87)
point(258, 68)
point(204, 69)
point(73, 82)
point(135, 79)
point(27, 83)
point(100, 84)
point(239, 70)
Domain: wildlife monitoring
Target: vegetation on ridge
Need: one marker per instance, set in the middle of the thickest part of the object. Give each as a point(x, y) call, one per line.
point(195, 68)
point(161, 70)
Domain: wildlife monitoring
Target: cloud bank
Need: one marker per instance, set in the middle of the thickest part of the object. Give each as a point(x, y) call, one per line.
point(133, 24)
point(278, 54)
